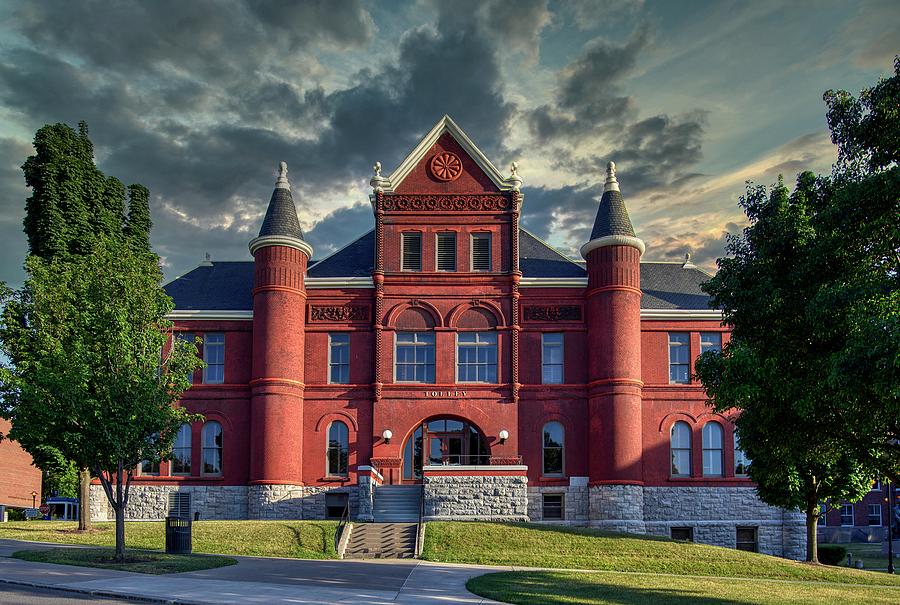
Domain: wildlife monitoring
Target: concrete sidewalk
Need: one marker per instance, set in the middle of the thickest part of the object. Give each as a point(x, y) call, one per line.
point(258, 580)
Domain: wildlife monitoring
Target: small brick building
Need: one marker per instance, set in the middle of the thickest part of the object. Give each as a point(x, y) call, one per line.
point(18, 476)
point(450, 348)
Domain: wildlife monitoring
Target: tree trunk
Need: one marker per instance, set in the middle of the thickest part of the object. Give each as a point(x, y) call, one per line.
point(84, 495)
point(120, 516)
point(812, 518)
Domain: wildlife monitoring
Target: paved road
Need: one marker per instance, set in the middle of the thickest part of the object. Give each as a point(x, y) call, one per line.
point(25, 595)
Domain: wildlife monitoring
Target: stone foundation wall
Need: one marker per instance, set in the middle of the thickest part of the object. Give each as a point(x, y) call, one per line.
point(295, 501)
point(151, 502)
point(471, 498)
point(365, 499)
point(714, 513)
point(617, 508)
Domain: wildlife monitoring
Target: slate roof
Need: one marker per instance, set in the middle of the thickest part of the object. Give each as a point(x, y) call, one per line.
point(281, 216)
point(226, 286)
point(612, 217)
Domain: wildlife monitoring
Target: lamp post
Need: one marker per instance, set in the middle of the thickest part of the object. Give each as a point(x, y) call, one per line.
point(34, 499)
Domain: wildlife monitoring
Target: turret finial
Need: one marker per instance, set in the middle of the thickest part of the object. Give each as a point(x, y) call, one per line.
point(378, 182)
point(514, 179)
point(688, 263)
point(282, 181)
point(612, 184)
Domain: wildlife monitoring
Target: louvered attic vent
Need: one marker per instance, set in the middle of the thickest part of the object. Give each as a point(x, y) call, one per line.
point(481, 252)
point(446, 252)
point(412, 251)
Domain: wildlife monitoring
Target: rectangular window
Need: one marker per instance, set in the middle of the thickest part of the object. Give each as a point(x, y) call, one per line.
point(685, 534)
point(847, 515)
point(481, 252)
point(552, 507)
point(552, 358)
point(335, 504)
point(181, 451)
point(875, 515)
point(446, 251)
point(746, 539)
point(189, 338)
point(679, 357)
point(823, 515)
point(412, 251)
point(414, 357)
point(876, 487)
point(339, 358)
point(710, 341)
point(214, 356)
point(149, 469)
point(180, 505)
point(476, 357)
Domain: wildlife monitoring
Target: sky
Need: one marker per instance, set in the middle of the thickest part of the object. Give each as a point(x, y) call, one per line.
point(199, 101)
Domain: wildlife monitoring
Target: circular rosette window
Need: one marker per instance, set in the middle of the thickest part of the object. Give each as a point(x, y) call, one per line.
point(446, 166)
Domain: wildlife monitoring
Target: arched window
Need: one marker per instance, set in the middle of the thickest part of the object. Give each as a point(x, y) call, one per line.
point(338, 449)
point(712, 450)
point(211, 437)
point(181, 452)
point(553, 450)
point(680, 446)
point(741, 461)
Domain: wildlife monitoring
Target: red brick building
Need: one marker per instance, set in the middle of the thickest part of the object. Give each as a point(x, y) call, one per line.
point(18, 476)
point(451, 350)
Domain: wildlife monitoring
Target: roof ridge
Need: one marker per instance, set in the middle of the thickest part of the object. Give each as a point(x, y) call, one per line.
point(548, 246)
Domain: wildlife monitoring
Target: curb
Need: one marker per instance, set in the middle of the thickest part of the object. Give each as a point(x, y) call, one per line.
point(100, 593)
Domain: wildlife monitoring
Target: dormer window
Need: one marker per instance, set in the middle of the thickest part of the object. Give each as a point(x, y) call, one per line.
point(411, 244)
point(481, 252)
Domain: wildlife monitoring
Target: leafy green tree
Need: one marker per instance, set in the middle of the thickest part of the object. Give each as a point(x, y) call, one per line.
point(94, 365)
point(810, 291)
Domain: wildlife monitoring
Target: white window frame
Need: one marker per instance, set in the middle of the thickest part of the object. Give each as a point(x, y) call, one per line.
point(562, 448)
point(204, 448)
point(206, 347)
point(151, 473)
point(433, 345)
point(181, 448)
point(188, 337)
point(562, 356)
point(332, 364)
point(707, 447)
point(437, 237)
point(704, 346)
point(689, 449)
point(489, 236)
point(479, 345)
point(870, 515)
point(403, 236)
point(852, 515)
point(687, 363)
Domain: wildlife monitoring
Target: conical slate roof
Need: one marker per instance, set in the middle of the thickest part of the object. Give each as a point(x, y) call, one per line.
point(612, 217)
point(281, 216)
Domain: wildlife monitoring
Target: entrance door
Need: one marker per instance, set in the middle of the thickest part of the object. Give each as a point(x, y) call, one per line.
point(442, 441)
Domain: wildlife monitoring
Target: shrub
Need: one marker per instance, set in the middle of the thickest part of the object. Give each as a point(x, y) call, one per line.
point(16, 514)
point(831, 554)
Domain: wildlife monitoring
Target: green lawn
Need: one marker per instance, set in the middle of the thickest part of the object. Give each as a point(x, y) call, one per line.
point(531, 545)
point(140, 561)
point(301, 539)
point(568, 588)
point(870, 555)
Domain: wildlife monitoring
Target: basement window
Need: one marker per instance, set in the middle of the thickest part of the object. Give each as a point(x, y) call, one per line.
point(553, 509)
point(334, 505)
point(685, 534)
point(180, 505)
point(746, 539)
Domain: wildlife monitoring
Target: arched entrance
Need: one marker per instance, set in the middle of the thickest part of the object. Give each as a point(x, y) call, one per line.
point(445, 441)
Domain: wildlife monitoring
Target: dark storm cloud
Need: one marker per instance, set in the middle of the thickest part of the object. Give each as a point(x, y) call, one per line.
point(339, 228)
point(567, 210)
point(13, 191)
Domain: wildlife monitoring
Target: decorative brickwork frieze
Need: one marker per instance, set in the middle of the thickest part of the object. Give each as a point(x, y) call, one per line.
point(339, 313)
point(445, 203)
point(553, 313)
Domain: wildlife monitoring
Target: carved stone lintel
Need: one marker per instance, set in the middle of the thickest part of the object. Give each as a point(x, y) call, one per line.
point(553, 313)
point(339, 313)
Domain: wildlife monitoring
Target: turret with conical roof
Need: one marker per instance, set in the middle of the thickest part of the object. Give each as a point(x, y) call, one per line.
point(613, 315)
point(280, 257)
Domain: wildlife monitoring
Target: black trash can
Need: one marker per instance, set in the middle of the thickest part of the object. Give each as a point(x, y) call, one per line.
point(178, 536)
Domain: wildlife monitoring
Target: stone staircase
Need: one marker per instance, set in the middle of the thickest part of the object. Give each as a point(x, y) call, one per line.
point(382, 541)
point(397, 503)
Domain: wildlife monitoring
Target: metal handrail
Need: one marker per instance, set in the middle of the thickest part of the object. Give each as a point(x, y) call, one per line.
point(420, 528)
point(342, 525)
